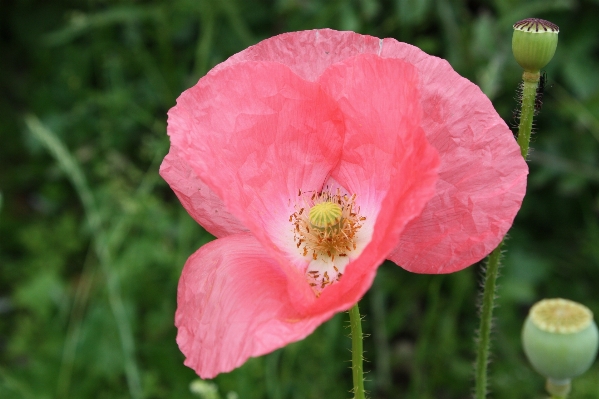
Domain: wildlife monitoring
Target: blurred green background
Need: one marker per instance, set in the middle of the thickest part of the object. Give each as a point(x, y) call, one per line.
point(92, 241)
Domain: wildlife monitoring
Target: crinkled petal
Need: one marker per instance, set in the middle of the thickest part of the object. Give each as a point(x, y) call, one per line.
point(381, 123)
point(197, 198)
point(232, 305)
point(308, 53)
point(256, 134)
point(386, 161)
point(482, 177)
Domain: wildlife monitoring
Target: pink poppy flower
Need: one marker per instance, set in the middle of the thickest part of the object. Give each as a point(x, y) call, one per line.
point(314, 156)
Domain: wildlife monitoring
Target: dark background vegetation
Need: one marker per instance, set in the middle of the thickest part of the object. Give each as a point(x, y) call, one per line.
point(92, 241)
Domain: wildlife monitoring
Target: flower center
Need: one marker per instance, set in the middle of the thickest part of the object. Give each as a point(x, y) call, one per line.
point(326, 229)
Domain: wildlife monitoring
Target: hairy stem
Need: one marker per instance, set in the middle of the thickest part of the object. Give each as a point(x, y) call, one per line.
point(530, 81)
point(486, 317)
point(529, 92)
point(355, 322)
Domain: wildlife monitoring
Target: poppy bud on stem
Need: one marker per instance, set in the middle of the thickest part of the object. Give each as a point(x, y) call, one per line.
point(533, 44)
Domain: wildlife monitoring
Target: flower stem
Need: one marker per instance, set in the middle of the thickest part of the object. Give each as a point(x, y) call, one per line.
point(486, 316)
point(530, 81)
point(558, 390)
point(529, 93)
point(355, 322)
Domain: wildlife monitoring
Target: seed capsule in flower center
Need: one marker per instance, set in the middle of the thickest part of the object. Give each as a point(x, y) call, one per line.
point(325, 215)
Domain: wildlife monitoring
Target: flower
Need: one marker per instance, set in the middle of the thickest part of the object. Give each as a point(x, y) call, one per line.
point(314, 156)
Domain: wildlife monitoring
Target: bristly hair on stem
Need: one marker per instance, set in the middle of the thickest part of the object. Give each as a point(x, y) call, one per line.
point(540, 92)
point(515, 121)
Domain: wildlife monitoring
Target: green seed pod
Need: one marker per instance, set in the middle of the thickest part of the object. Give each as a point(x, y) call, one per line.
point(560, 338)
point(326, 215)
point(534, 43)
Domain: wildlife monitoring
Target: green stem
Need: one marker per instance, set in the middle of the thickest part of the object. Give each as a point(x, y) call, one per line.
point(529, 93)
point(486, 316)
point(355, 322)
point(558, 390)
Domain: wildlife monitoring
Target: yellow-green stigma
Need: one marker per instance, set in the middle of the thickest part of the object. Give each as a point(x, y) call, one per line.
point(326, 215)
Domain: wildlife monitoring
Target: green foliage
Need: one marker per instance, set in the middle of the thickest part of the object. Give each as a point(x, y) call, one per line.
point(92, 241)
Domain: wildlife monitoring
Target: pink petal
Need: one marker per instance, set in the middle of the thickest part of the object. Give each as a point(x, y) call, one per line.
point(381, 123)
point(482, 175)
point(386, 160)
point(232, 305)
point(482, 178)
point(308, 53)
point(197, 198)
point(256, 134)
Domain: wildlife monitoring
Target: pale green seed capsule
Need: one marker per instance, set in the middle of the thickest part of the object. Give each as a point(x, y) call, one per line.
point(534, 43)
point(560, 338)
point(325, 215)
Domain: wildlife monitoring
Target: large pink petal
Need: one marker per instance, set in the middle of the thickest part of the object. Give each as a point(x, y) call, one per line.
point(197, 198)
point(386, 160)
point(232, 305)
point(482, 176)
point(256, 134)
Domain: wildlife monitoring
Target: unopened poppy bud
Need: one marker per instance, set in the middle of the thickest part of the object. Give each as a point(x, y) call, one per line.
point(534, 43)
point(560, 339)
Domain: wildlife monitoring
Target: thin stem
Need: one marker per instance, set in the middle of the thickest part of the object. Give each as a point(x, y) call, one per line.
point(529, 94)
point(355, 322)
point(486, 317)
